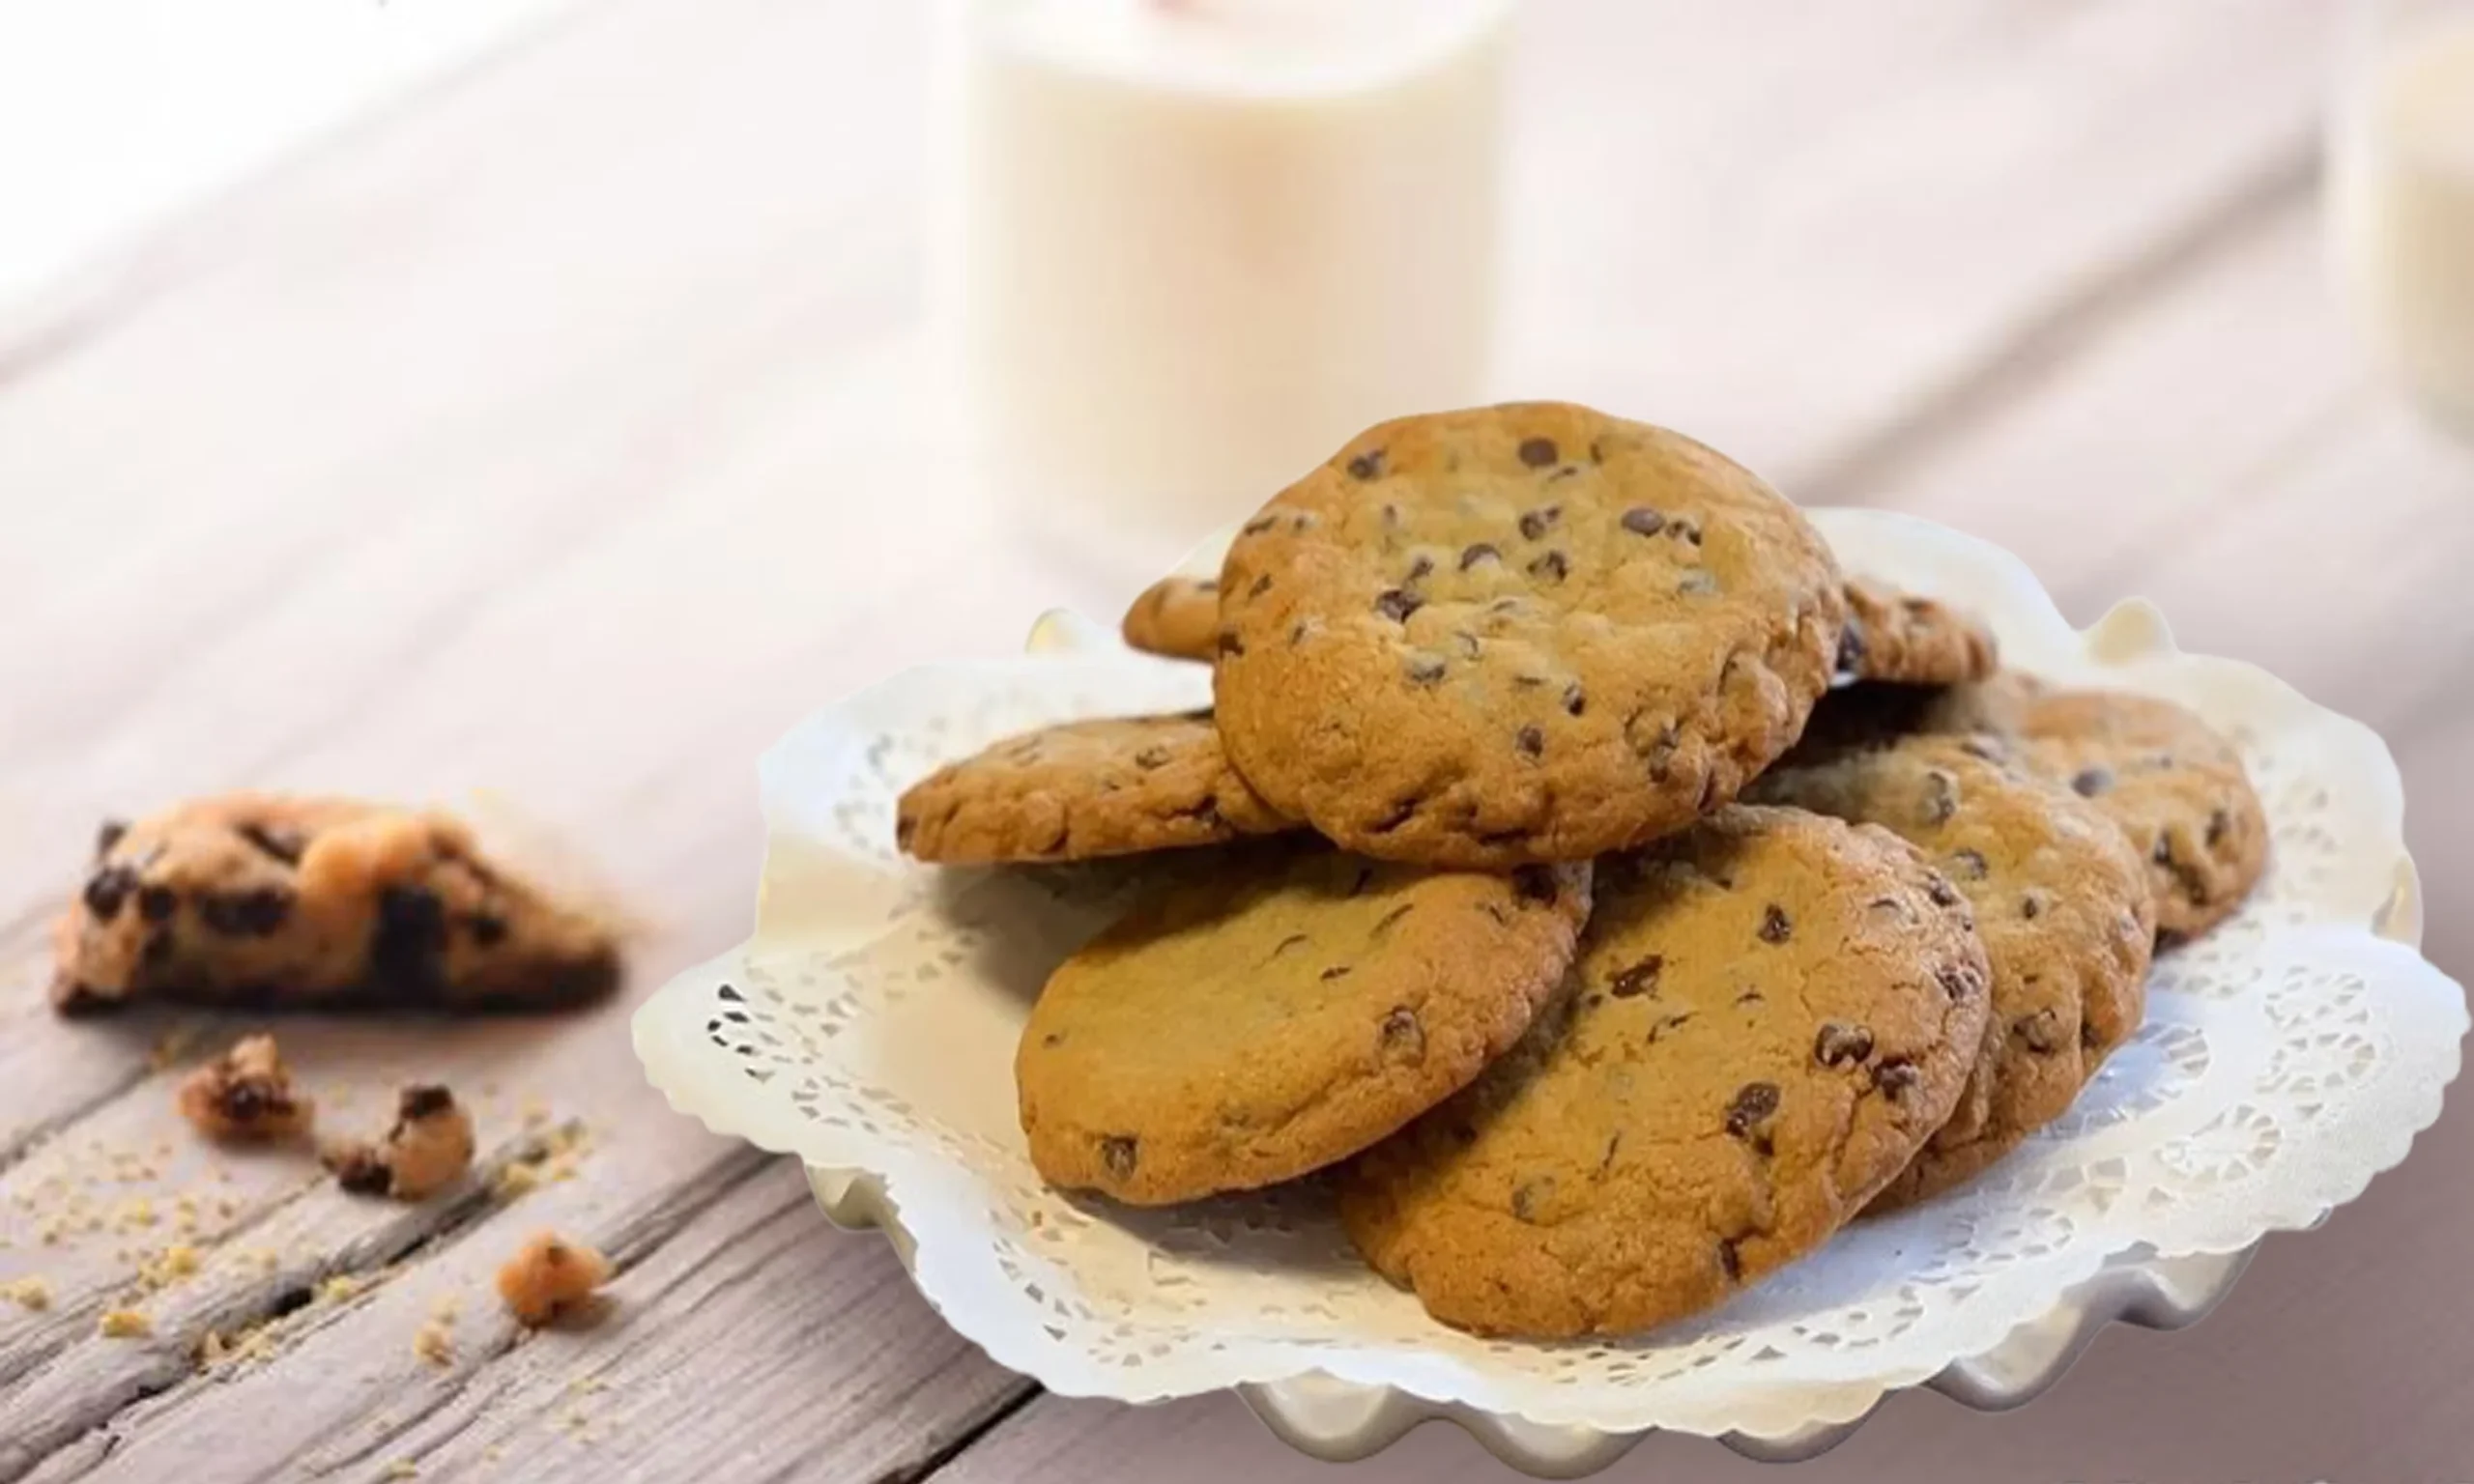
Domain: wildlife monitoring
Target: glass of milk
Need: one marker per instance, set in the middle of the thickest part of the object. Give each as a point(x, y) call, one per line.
point(2402, 193)
point(1188, 247)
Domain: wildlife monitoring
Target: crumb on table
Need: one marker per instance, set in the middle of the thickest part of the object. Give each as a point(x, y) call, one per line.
point(427, 1150)
point(31, 1294)
point(125, 1325)
point(547, 1275)
point(245, 1094)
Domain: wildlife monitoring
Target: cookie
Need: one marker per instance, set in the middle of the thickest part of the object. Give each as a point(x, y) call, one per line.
point(1769, 1016)
point(289, 902)
point(1907, 639)
point(1177, 618)
point(2061, 904)
point(2173, 785)
point(1522, 633)
point(1284, 1013)
point(1081, 791)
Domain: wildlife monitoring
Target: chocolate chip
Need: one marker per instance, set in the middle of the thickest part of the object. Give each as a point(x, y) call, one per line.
point(1537, 452)
point(2041, 1032)
point(423, 1101)
point(1957, 981)
point(904, 827)
point(1896, 1076)
point(253, 914)
point(1841, 1044)
point(1383, 924)
point(1535, 883)
point(1402, 1035)
point(1260, 524)
point(1530, 1196)
point(1943, 893)
point(1688, 532)
point(1053, 1039)
point(1297, 633)
point(1301, 523)
point(1260, 585)
point(1230, 644)
point(1642, 521)
point(158, 950)
point(1775, 927)
point(1419, 567)
point(1153, 757)
point(410, 937)
point(2031, 907)
point(1754, 1103)
point(1940, 797)
point(1424, 669)
point(157, 904)
point(1640, 979)
point(1530, 741)
point(109, 835)
point(1552, 567)
point(1971, 864)
point(1729, 1262)
point(1397, 605)
point(1851, 648)
point(1335, 971)
point(107, 889)
point(1574, 701)
point(1293, 940)
point(2218, 823)
point(282, 845)
point(2163, 854)
point(362, 1171)
point(1366, 464)
point(1119, 1153)
point(2091, 781)
point(1534, 523)
point(1470, 555)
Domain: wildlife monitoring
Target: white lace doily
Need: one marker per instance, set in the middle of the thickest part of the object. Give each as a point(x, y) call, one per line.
point(870, 1026)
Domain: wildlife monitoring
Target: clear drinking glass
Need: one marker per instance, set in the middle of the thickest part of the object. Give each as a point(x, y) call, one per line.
point(2401, 201)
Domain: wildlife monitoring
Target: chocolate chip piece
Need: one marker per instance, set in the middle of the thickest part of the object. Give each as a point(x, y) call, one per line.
point(1230, 644)
point(1397, 605)
point(1688, 532)
point(1293, 940)
point(1383, 924)
point(1896, 1076)
point(1053, 1039)
point(1335, 971)
point(1424, 669)
point(1640, 979)
point(423, 1101)
point(2218, 823)
point(1529, 1197)
point(1118, 1151)
point(2091, 781)
point(1552, 567)
point(1420, 566)
point(1943, 893)
point(1754, 1103)
point(1971, 864)
point(1851, 648)
point(2163, 854)
point(107, 889)
point(1530, 741)
point(488, 930)
point(1775, 927)
point(1297, 633)
point(1470, 555)
point(254, 914)
point(2041, 1032)
point(1534, 523)
point(1402, 1035)
point(411, 935)
point(1642, 521)
point(1841, 1044)
point(1153, 757)
point(109, 835)
point(1366, 464)
point(1260, 585)
point(1729, 1263)
point(157, 904)
point(1940, 797)
point(1535, 883)
point(282, 845)
point(362, 1171)
point(1537, 452)
point(1574, 701)
point(1957, 981)
point(2031, 907)
point(1260, 524)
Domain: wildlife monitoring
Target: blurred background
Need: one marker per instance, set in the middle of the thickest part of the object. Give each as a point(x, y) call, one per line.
point(559, 399)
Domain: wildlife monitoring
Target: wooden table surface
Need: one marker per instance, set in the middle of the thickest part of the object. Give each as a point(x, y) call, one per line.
point(550, 437)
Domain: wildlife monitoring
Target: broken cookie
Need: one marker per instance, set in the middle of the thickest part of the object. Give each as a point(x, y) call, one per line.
point(429, 1147)
point(548, 1274)
point(245, 1094)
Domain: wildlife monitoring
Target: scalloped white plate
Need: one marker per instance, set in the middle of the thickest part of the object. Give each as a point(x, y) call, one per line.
point(868, 1027)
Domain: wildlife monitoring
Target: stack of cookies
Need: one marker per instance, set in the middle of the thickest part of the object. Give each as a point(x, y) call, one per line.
point(1611, 895)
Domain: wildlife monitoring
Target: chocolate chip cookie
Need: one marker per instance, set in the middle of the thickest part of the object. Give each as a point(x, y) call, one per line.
point(1242, 1029)
point(287, 902)
point(1081, 791)
point(2061, 900)
point(2173, 785)
point(1522, 633)
point(1770, 1013)
point(1902, 638)
point(1177, 618)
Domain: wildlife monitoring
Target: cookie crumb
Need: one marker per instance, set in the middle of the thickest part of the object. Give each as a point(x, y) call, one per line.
point(168, 1266)
point(429, 1148)
point(435, 1342)
point(124, 1325)
point(547, 1275)
point(245, 1094)
point(403, 1469)
point(31, 1294)
point(341, 1288)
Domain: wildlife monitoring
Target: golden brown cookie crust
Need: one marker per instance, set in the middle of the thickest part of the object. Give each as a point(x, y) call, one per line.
point(1769, 1016)
point(291, 902)
point(1904, 639)
point(1520, 632)
point(2061, 903)
point(1081, 791)
point(1245, 1027)
point(2175, 786)
point(1176, 617)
